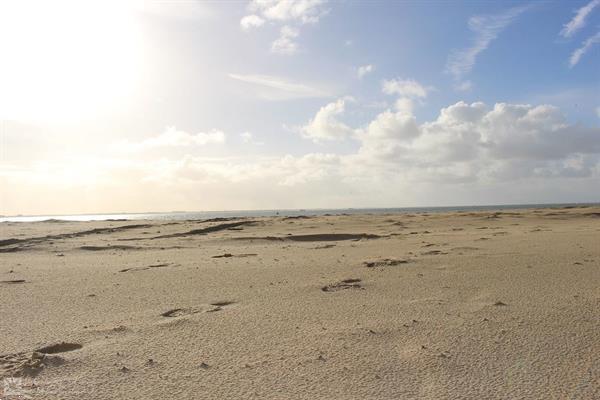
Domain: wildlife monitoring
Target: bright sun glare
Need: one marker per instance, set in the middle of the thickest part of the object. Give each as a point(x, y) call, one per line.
point(66, 60)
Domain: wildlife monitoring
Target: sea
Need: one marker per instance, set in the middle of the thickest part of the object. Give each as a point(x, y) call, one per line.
point(201, 215)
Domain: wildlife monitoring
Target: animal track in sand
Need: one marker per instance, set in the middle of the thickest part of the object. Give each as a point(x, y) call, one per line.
point(352, 283)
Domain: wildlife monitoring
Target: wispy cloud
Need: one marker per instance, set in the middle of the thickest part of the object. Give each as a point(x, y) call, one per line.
point(585, 46)
point(486, 29)
point(578, 20)
point(277, 88)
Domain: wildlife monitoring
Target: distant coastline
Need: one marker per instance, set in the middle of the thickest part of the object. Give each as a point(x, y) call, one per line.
point(193, 215)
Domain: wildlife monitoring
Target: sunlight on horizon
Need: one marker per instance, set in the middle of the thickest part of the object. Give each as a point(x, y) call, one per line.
point(65, 61)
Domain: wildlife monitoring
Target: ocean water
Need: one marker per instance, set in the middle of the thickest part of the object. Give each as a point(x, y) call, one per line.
point(200, 215)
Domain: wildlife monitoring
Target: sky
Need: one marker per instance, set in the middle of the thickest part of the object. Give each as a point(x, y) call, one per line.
point(138, 106)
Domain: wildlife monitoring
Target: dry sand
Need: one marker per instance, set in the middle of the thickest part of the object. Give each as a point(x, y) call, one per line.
point(458, 305)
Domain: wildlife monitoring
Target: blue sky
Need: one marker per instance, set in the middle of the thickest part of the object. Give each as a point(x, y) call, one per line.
point(149, 106)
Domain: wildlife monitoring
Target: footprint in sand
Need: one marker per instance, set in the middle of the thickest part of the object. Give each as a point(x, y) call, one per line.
point(179, 312)
point(32, 363)
point(219, 305)
point(342, 285)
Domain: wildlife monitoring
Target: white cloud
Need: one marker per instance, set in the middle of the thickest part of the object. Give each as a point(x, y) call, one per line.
point(302, 11)
point(598, 111)
point(404, 87)
point(172, 137)
point(469, 153)
point(277, 88)
point(364, 70)
point(585, 46)
point(291, 13)
point(486, 29)
point(325, 126)
point(251, 21)
point(578, 21)
point(286, 44)
point(473, 133)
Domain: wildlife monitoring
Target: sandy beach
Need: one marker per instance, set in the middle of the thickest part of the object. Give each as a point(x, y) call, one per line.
point(456, 305)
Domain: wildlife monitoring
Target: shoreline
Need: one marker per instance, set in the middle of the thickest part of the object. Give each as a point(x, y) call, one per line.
point(184, 215)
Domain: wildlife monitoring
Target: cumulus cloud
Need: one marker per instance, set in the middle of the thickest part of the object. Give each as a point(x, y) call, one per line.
point(486, 29)
point(291, 13)
point(325, 125)
point(466, 141)
point(585, 46)
point(405, 88)
point(468, 153)
point(578, 21)
point(302, 11)
point(364, 70)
